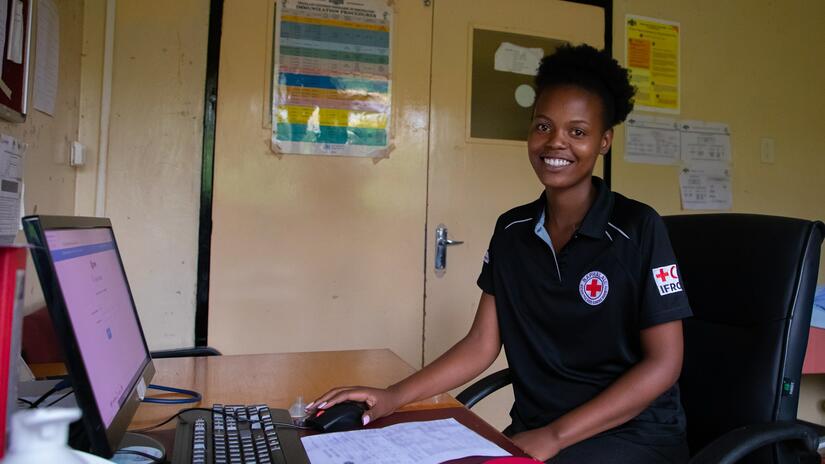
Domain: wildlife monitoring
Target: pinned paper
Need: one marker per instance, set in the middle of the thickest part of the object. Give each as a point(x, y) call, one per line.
point(515, 59)
point(11, 187)
point(706, 187)
point(705, 141)
point(653, 140)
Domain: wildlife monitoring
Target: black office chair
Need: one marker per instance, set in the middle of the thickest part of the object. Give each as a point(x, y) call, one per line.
point(750, 280)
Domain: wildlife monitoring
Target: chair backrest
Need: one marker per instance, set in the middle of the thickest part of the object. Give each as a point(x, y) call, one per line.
point(750, 280)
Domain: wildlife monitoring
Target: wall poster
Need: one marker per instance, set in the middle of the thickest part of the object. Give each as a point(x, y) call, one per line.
point(331, 77)
point(652, 57)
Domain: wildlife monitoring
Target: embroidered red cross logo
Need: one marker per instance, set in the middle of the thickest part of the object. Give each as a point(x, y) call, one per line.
point(594, 287)
point(662, 275)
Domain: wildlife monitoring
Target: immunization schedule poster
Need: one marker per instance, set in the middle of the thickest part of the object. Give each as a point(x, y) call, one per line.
point(332, 65)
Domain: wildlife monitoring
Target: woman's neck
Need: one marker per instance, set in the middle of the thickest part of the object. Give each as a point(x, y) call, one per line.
point(566, 208)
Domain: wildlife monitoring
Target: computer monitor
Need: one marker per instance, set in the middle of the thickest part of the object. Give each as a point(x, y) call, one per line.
point(95, 319)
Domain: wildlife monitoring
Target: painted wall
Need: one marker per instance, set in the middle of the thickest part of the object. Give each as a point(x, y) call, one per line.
point(48, 178)
point(758, 67)
point(155, 122)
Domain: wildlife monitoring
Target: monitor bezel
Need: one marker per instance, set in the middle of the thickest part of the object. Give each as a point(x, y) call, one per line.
point(104, 441)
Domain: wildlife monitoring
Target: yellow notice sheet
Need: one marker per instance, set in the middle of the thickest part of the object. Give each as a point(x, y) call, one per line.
point(652, 56)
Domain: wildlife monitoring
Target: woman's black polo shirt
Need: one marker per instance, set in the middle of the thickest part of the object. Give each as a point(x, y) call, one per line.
point(570, 319)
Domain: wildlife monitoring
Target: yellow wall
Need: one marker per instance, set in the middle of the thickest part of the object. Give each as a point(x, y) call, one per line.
point(49, 181)
point(758, 67)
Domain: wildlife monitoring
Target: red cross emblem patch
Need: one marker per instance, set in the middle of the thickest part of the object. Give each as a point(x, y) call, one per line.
point(593, 288)
point(667, 279)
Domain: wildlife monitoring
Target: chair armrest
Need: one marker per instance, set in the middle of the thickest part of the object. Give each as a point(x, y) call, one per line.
point(738, 443)
point(480, 389)
point(185, 352)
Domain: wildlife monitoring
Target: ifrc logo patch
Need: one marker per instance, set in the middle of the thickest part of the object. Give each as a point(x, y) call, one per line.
point(667, 279)
point(593, 288)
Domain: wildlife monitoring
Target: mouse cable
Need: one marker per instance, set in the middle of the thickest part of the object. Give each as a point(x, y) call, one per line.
point(60, 399)
point(153, 459)
point(193, 396)
point(285, 425)
point(65, 383)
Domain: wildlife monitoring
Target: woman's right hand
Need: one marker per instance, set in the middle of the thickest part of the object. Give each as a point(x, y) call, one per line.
point(380, 402)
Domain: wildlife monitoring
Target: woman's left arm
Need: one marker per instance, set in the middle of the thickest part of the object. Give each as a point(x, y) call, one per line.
point(627, 397)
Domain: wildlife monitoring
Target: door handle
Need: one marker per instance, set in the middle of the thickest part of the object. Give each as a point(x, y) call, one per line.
point(441, 243)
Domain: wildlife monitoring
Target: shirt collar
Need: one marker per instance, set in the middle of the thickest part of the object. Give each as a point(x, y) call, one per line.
point(595, 221)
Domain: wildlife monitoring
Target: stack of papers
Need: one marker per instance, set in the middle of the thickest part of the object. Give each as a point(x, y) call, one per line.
point(427, 442)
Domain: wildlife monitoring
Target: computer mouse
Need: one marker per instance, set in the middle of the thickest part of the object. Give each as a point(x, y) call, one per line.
point(337, 418)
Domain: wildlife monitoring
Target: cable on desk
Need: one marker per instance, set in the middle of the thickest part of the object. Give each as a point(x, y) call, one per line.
point(225, 414)
point(60, 399)
point(155, 460)
point(65, 383)
point(194, 397)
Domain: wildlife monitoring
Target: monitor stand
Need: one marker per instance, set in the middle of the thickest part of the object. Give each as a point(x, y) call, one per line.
point(140, 443)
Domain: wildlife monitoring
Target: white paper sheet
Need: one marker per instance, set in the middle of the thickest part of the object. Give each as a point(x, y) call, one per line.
point(705, 141)
point(706, 187)
point(15, 51)
point(11, 187)
point(652, 140)
point(428, 442)
point(47, 59)
point(515, 59)
point(4, 15)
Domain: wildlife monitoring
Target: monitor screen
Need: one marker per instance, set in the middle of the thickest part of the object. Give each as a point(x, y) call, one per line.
point(91, 305)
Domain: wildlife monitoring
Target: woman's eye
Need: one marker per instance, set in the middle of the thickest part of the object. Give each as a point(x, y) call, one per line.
point(578, 132)
point(543, 127)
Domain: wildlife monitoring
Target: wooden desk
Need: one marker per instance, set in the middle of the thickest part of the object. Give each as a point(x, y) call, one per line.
point(276, 379)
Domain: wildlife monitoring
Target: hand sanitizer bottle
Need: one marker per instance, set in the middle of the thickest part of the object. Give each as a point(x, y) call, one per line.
point(298, 411)
point(40, 435)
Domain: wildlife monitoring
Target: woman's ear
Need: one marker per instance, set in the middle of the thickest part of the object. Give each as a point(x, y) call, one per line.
point(606, 142)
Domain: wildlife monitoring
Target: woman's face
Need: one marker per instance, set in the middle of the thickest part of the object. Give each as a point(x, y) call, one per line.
point(566, 136)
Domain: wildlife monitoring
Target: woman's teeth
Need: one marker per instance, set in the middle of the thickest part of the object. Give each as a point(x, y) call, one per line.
point(556, 162)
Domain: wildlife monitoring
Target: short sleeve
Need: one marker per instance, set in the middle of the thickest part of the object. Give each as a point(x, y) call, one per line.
point(485, 279)
point(663, 298)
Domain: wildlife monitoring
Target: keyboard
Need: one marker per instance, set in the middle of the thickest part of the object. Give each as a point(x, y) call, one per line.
point(237, 434)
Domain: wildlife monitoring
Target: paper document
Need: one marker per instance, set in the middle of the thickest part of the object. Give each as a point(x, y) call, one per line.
point(705, 141)
point(429, 442)
point(47, 58)
point(515, 59)
point(653, 140)
point(11, 187)
point(706, 187)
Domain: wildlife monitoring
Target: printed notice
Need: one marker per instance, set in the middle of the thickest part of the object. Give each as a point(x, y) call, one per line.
point(652, 57)
point(516, 59)
point(11, 187)
point(429, 442)
point(705, 141)
point(706, 187)
point(47, 58)
point(332, 77)
point(653, 140)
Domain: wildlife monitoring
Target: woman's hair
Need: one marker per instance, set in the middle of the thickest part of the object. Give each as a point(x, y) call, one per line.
point(595, 71)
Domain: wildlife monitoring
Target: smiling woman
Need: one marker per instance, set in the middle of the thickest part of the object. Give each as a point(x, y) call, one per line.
point(570, 289)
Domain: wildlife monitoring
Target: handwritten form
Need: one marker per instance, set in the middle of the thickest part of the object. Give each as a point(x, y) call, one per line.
point(428, 442)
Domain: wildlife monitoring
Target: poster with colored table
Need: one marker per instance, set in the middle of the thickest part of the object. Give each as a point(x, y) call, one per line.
point(332, 83)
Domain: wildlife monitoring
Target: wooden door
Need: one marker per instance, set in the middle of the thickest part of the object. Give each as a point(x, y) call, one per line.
point(316, 252)
point(473, 180)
